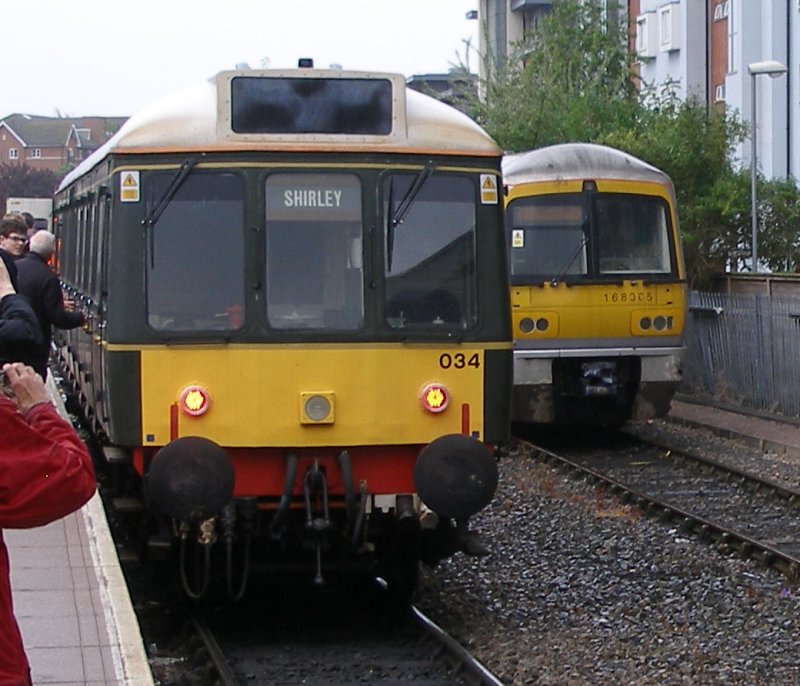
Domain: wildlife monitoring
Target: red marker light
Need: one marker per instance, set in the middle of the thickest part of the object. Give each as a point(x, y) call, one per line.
point(195, 400)
point(435, 398)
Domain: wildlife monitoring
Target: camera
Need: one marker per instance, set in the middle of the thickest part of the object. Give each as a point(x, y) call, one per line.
point(5, 385)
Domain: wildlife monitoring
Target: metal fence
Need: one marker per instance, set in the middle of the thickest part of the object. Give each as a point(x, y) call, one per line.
point(745, 349)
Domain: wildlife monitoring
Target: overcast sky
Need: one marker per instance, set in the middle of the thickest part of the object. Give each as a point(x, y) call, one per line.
point(112, 57)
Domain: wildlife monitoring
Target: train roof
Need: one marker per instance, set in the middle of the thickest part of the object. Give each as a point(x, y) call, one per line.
point(578, 161)
point(199, 119)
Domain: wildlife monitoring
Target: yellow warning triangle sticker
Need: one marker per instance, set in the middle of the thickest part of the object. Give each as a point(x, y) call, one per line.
point(489, 193)
point(129, 186)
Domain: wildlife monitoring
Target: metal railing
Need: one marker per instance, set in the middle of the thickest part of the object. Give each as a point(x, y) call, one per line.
point(744, 349)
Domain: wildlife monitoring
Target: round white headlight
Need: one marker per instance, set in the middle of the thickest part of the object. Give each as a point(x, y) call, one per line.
point(317, 408)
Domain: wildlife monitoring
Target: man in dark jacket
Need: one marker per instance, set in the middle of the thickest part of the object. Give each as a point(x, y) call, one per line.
point(42, 287)
point(20, 334)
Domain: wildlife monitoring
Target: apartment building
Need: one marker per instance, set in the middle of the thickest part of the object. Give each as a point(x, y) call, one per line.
point(706, 48)
point(702, 48)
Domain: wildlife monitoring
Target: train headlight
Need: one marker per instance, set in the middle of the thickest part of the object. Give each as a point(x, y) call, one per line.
point(316, 408)
point(652, 324)
point(434, 398)
point(195, 401)
point(528, 325)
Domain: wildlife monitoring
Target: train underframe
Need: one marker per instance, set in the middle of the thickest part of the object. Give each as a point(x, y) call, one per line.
point(313, 529)
point(594, 389)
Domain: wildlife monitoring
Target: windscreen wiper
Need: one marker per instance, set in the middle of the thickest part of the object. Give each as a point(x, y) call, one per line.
point(397, 216)
point(153, 216)
point(177, 181)
point(554, 281)
point(390, 224)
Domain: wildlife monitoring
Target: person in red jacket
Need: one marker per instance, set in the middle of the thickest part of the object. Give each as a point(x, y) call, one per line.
point(46, 472)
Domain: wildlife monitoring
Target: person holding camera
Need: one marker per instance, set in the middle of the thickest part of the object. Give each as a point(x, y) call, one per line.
point(46, 471)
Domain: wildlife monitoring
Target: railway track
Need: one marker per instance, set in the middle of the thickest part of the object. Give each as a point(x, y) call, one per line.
point(283, 637)
point(328, 649)
point(735, 510)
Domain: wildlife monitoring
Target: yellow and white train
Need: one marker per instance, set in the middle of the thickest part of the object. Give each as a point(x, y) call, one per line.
point(598, 286)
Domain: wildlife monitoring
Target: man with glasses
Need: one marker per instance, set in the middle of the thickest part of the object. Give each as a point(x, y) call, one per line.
point(13, 234)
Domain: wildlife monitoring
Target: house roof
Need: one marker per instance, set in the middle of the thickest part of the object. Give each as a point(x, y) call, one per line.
point(37, 131)
point(83, 138)
point(33, 130)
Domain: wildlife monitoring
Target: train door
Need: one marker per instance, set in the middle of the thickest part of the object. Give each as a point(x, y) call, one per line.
point(83, 300)
point(100, 296)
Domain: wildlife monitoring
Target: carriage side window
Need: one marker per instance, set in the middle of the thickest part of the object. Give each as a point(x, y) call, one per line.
point(314, 252)
point(429, 260)
point(195, 253)
point(632, 234)
point(548, 237)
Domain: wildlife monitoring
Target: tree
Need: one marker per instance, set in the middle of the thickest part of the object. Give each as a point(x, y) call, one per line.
point(567, 82)
point(779, 224)
point(693, 143)
point(22, 181)
point(572, 81)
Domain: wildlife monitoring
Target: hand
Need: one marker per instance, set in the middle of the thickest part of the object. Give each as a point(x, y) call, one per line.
point(6, 287)
point(26, 384)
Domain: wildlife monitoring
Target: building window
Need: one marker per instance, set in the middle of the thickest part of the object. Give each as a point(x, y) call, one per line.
point(665, 27)
point(36, 153)
point(13, 154)
point(669, 27)
point(641, 35)
point(731, 38)
point(646, 28)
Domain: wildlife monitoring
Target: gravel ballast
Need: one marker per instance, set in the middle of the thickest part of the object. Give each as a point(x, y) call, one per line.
point(581, 589)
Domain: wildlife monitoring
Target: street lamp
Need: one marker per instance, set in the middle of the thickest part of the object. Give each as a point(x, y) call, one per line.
point(774, 69)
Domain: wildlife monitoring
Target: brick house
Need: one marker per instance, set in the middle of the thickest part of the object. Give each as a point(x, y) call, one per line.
point(55, 143)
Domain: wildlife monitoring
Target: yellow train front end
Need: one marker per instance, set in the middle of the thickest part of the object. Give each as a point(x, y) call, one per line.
point(598, 288)
point(349, 455)
point(311, 395)
point(382, 403)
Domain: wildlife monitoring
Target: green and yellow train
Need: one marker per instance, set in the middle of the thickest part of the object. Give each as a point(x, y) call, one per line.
point(299, 328)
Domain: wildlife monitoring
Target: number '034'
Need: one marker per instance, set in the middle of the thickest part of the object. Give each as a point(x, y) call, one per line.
point(459, 361)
